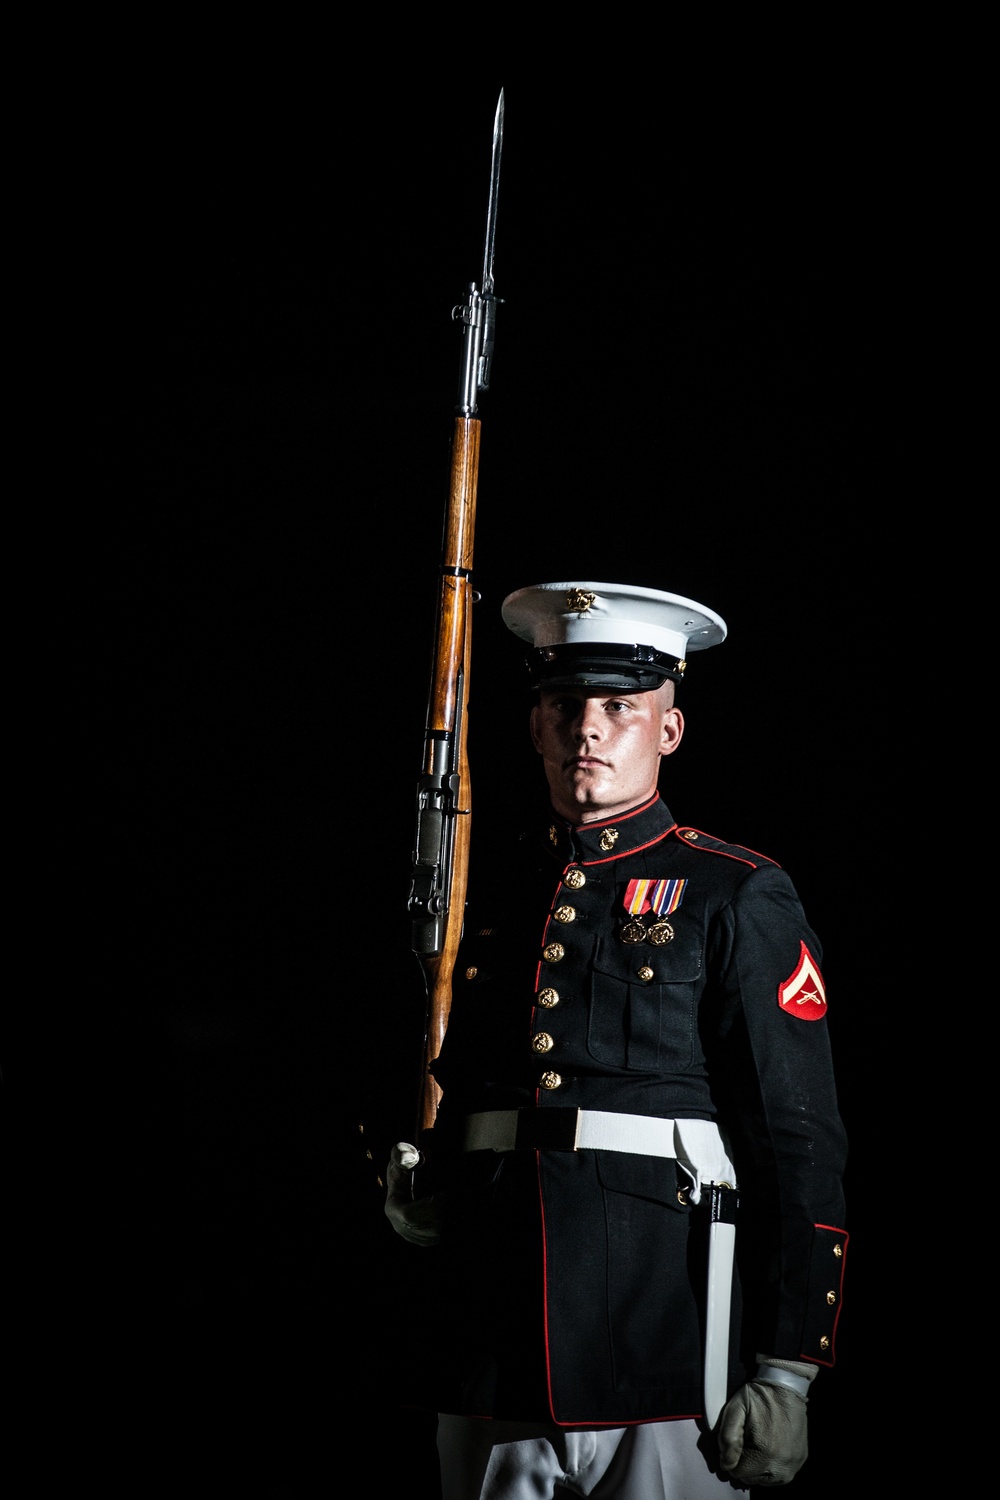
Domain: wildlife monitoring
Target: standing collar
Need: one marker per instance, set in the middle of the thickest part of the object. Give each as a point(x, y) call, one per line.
point(594, 843)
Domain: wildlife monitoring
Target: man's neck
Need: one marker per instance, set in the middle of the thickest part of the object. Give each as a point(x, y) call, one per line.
point(582, 818)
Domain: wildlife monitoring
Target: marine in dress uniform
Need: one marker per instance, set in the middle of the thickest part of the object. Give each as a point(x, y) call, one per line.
point(633, 1187)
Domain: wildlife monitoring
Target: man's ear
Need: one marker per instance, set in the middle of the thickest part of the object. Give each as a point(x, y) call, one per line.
point(533, 726)
point(673, 730)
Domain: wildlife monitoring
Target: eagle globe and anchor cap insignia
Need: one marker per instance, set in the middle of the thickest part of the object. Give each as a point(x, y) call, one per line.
point(803, 993)
point(579, 600)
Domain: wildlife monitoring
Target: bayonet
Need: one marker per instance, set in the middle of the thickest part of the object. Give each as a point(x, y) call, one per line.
point(479, 311)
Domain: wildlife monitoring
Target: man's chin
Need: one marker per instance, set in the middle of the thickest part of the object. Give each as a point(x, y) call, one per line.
point(586, 798)
point(585, 790)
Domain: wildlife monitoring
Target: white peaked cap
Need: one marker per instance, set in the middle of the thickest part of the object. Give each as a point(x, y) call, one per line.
point(610, 634)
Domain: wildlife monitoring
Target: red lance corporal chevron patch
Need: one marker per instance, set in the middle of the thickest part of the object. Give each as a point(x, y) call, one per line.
point(803, 993)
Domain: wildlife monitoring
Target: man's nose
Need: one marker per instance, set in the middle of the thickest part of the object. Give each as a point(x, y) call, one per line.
point(588, 725)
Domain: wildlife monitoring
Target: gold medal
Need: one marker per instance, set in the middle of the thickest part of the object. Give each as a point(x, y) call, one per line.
point(633, 932)
point(661, 932)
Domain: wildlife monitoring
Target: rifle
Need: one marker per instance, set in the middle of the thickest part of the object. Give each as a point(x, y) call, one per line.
point(444, 805)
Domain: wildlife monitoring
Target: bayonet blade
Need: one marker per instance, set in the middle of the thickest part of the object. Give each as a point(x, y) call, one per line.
point(491, 215)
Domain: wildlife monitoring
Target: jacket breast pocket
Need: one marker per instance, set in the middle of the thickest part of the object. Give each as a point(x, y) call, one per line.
point(643, 1000)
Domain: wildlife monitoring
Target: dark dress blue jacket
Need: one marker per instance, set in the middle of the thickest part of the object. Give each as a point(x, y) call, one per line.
point(570, 1284)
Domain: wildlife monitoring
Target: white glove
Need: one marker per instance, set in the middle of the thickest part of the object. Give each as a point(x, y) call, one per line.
point(416, 1219)
point(762, 1427)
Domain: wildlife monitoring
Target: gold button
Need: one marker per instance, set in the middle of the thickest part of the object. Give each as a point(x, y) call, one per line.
point(645, 973)
point(550, 1081)
point(548, 997)
point(471, 972)
point(824, 1342)
point(682, 1196)
point(690, 834)
point(574, 879)
point(541, 1041)
point(565, 913)
point(553, 952)
point(831, 1298)
point(838, 1251)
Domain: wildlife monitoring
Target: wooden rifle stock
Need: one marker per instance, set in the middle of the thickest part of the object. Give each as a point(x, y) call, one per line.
point(447, 732)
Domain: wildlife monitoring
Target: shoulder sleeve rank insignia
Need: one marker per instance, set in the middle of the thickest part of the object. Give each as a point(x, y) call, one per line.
point(803, 993)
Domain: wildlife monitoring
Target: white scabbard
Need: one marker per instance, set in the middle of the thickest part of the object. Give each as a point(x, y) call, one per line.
point(723, 1201)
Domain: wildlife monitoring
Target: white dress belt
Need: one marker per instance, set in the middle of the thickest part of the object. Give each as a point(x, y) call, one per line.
point(696, 1144)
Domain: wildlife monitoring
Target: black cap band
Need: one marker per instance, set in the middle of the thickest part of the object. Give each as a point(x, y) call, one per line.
point(625, 668)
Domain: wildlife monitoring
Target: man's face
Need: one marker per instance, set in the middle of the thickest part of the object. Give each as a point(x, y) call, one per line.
point(601, 750)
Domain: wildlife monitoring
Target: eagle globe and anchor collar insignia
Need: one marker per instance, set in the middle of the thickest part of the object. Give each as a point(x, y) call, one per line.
point(661, 897)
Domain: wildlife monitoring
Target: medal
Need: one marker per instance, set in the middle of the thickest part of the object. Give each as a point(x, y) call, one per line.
point(635, 904)
point(665, 897)
point(633, 932)
point(659, 933)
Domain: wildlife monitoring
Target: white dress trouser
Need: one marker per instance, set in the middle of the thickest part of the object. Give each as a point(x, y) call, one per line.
point(495, 1460)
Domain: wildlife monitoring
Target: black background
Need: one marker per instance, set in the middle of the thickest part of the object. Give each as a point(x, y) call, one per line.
point(690, 391)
